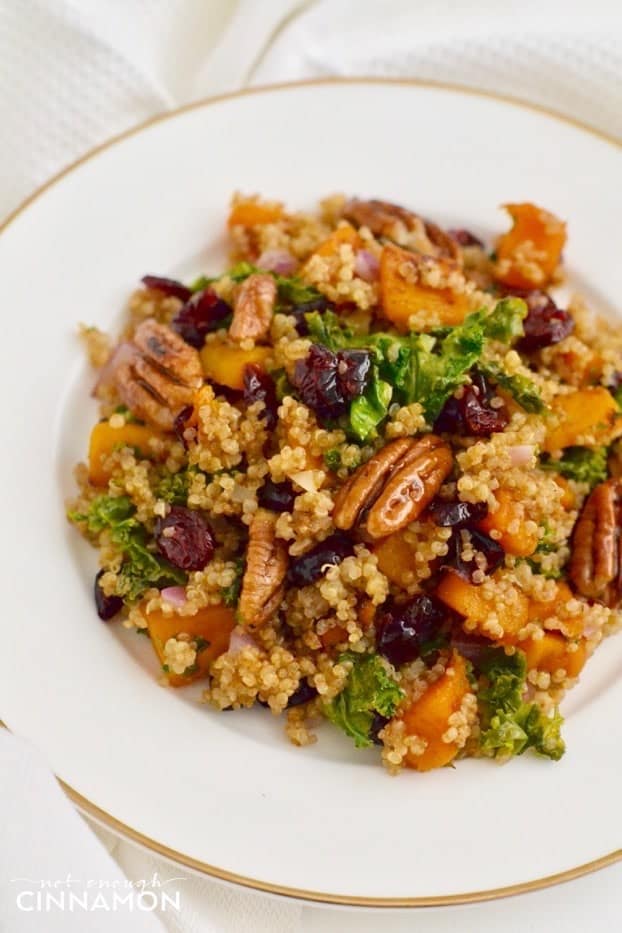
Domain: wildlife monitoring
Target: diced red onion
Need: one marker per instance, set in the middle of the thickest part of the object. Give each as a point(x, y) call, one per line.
point(521, 454)
point(122, 353)
point(366, 265)
point(278, 260)
point(174, 595)
point(470, 647)
point(240, 639)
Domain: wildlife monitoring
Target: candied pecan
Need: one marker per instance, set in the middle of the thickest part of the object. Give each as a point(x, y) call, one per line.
point(395, 486)
point(389, 220)
point(253, 307)
point(365, 484)
point(158, 374)
point(596, 559)
point(266, 566)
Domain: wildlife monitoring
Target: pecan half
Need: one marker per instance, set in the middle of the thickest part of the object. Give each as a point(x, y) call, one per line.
point(253, 308)
point(158, 374)
point(394, 486)
point(396, 223)
point(596, 559)
point(264, 578)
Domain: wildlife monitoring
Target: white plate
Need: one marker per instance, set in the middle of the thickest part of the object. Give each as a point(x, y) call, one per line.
point(226, 793)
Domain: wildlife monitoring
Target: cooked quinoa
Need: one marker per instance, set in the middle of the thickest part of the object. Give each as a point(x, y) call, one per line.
point(369, 474)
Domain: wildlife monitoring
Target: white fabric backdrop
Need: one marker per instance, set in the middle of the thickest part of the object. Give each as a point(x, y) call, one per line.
point(73, 73)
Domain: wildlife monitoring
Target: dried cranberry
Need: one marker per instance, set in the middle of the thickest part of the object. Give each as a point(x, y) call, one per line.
point(202, 313)
point(327, 382)
point(179, 424)
point(456, 514)
point(107, 606)
point(464, 237)
point(377, 725)
point(278, 497)
point(491, 549)
point(545, 323)
point(260, 387)
point(473, 413)
point(170, 287)
point(309, 567)
point(303, 694)
point(402, 630)
point(184, 538)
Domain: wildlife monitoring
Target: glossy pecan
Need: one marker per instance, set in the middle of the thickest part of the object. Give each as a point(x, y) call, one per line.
point(264, 578)
point(253, 308)
point(596, 559)
point(158, 374)
point(394, 487)
point(384, 219)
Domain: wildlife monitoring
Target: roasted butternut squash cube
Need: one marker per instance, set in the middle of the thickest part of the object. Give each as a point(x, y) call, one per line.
point(251, 212)
point(403, 294)
point(553, 652)
point(471, 601)
point(541, 610)
point(529, 253)
point(105, 439)
point(212, 624)
point(344, 234)
point(224, 364)
point(428, 717)
point(396, 558)
point(508, 521)
point(591, 412)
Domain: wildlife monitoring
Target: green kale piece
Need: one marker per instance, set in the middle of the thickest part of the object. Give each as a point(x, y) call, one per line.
point(509, 725)
point(520, 387)
point(583, 464)
point(369, 690)
point(141, 568)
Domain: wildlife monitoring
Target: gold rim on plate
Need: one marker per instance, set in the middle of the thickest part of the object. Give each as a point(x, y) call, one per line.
point(109, 821)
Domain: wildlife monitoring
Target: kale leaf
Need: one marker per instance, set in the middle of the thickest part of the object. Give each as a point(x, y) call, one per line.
point(509, 725)
point(369, 690)
point(173, 488)
point(140, 568)
point(583, 464)
point(370, 409)
point(231, 593)
point(505, 323)
point(520, 387)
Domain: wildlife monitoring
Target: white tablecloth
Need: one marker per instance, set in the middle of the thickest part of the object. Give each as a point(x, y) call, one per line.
point(74, 72)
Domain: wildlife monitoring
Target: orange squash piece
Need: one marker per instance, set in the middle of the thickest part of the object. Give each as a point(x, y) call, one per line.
point(401, 298)
point(592, 411)
point(396, 558)
point(253, 213)
point(428, 717)
point(469, 600)
point(345, 234)
point(540, 611)
point(552, 653)
point(509, 521)
point(224, 364)
point(529, 253)
point(105, 439)
point(214, 624)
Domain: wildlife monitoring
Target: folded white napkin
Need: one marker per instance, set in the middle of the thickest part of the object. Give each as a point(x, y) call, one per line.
point(558, 54)
point(74, 72)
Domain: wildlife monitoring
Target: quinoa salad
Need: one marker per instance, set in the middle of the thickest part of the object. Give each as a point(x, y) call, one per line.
point(369, 475)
